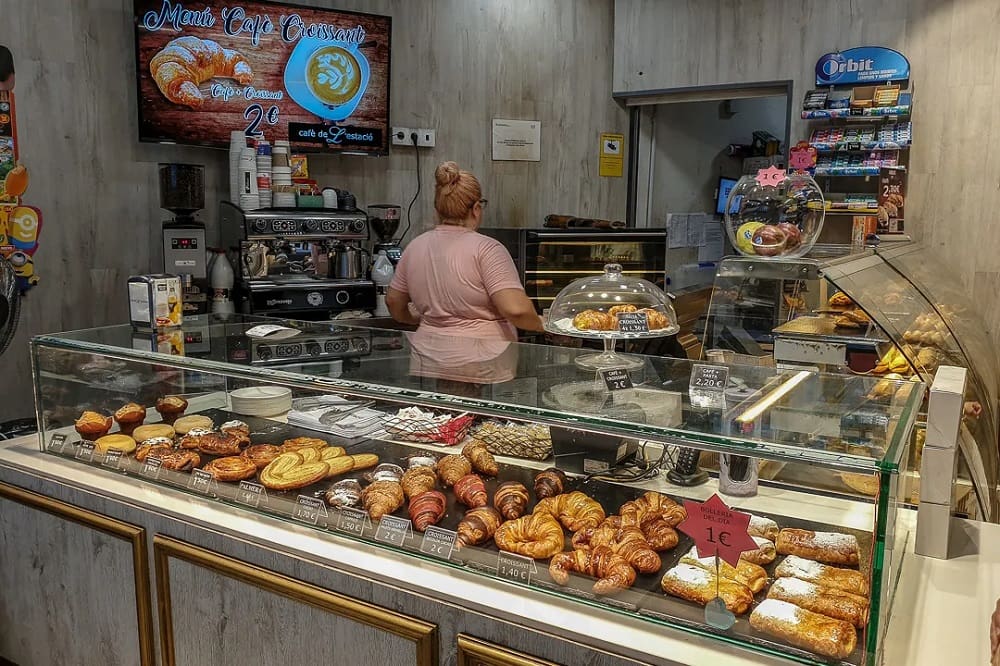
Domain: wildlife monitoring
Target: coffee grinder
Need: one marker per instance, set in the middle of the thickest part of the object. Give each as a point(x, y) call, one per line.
point(384, 219)
point(182, 192)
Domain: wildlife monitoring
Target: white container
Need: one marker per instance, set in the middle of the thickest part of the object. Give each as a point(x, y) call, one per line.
point(222, 279)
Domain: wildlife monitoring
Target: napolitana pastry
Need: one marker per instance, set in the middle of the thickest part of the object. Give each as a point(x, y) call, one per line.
point(179, 460)
point(427, 509)
point(170, 408)
point(418, 480)
point(290, 471)
point(92, 425)
point(261, 455)
point(481, 459)
point(471, 491)
point(180, 67)
point(827, 547)
point(382, 498)
point(537, 535)
point(749, 574)
point(804, 629)
point(231, 468)
point(477, 526)
point(549, 482)
point(827, 601)
point(118, 441)
point(511, 499)
point(185, 424)
point(764, 528)
point(576, 511)
point(211, 443)
point(692, 583)
point(144, 432)
point(764, 553)
point(238, 429)
point(612, 571)
point(453, 467)
point(847, 580)
point(129, 417)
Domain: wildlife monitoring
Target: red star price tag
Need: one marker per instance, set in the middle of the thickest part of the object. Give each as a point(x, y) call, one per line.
point(771, 176)
point(717, 529)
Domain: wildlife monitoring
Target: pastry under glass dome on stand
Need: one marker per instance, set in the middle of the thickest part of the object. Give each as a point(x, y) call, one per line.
point(780, 217)
point(610, 307)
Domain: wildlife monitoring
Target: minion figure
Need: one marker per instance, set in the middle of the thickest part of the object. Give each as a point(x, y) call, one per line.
point(24, 268)
point(24, 226)
point(4, 226)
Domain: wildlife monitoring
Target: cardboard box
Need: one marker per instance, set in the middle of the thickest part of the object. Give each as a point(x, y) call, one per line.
point(891, 200)
point(933, 530)
point(862, 227)
point(944, 407)
point(863, 97)
point(937, 475)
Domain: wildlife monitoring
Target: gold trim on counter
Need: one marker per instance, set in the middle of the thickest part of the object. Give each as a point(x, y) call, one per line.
point(135, 536)
point(422, 634)
point(477, 652)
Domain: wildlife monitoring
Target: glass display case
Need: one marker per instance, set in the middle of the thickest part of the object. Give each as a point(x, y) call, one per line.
point(509, 461)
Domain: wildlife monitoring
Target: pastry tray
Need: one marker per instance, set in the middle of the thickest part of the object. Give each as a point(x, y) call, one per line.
point(644, 599)
point(565, 327)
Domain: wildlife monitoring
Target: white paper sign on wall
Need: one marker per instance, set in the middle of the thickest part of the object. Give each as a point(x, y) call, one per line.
point(517, 140)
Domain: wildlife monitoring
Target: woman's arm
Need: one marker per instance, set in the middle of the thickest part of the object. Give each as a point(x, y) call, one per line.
point(398, 303)
point(517, 308)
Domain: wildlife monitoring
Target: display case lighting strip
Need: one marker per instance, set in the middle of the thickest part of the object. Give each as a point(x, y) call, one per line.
point(774, 396)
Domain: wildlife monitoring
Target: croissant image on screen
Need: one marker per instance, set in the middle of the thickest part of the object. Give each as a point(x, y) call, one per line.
point(187, 62)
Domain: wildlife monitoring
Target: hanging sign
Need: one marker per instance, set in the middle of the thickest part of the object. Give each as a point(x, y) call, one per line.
point(863, 64)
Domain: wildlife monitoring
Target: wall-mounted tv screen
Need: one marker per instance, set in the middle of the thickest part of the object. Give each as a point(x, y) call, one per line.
point(316, 77)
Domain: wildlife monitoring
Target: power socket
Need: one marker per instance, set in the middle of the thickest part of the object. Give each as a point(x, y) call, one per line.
point(401, 136)
point(426, 138)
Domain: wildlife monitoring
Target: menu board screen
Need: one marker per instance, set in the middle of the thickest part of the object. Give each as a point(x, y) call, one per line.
point(317, 77)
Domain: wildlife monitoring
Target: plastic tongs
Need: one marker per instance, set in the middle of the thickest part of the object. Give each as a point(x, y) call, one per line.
point(340, 411)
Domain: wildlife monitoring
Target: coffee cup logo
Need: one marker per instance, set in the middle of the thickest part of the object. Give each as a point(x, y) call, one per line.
point(333, 75)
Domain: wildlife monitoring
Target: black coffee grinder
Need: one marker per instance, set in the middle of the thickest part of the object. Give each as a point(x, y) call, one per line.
point(182, 192)
point(384, 220)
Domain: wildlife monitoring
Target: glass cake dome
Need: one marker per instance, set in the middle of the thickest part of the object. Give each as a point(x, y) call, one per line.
point(612, 305)
point(775, 216)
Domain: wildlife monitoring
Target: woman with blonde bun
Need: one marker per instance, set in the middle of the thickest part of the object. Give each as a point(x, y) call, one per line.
point(453, 281)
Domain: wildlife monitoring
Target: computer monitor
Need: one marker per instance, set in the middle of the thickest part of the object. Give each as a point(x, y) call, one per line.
point(725, 186)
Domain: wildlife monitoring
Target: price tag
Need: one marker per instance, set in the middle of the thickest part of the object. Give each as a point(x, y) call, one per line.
point(517, 568)
point(309, 509)
point(392, 530)
point(151, 468)
point(717, 529)
point(251, 494)
point(353, 521)
point(85, 451)
point(112, 458)
point(616, 379)
point(709, 377)
point(633, 322)
point(438, 542)
point(201, 481)
point(57, 442)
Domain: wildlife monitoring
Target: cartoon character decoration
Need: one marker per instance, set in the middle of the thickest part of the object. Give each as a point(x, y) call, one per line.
point(802, 158)
point(20, 224)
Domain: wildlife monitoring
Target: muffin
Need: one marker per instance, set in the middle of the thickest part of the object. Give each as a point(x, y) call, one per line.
point(92, 425)
point(130, 417)
point(171, 407)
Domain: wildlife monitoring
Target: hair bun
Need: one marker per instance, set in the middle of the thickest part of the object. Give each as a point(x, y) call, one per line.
point(447, 173)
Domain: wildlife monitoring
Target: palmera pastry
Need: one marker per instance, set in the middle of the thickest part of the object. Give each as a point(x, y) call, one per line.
point(170, 408)
point(179, 460)
point(144, 432)
point(480, 457)
point(629, 542)
point(418, 480)
point(747, 573)
point(692, 583)
point(827, 547)
point(303, 443)
point(118, 441)
point(261, 455)
point(576, 511)
point(537, 535)
point(156, 447)
point(823, 600)
point(231, 468)
point(477, 526)
point(804, 629)
point(185, 424)
point(453, 467)
point(289, 471)
point(847, 580)
point(764, 553)
point(549, 482)
point(343, 464)
point(764, 528)
point(382, 498)
point(511, 499)
point(471, 491)
point(180, 67)
point(612, 571)
point(427, 509)
point(92, 425)
point(129, 417)
point(593, 320)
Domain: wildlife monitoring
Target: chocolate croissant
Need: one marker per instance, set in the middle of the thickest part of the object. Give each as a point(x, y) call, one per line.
point(574, 510)
point(452, 468)
point(427, 508)
point(549, 483)
point(381, 498)
point(612, 571)
point(418, 480)
point(511, 499)
point(480, 457)
point(471, 491)
point(478, 526)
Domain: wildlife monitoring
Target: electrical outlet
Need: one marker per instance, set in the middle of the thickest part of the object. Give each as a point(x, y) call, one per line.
point(401, 136)
point(425, 138)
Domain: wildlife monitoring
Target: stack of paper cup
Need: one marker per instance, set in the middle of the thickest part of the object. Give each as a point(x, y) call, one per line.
point(264, 173)
point(281, 151)
point(249, 194)
point(237, 142)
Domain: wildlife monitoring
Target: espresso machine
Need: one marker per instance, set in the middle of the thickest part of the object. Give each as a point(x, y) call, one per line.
point(182, 192)
point(384, 220)
point(300, 264)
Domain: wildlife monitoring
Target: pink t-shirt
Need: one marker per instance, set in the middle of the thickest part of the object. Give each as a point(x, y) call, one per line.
point(450, 274)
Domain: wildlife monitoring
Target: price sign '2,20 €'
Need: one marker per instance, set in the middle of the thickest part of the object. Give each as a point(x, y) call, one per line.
point(719, 532)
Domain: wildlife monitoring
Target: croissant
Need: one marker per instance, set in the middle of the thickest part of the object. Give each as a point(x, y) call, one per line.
point(659, 534)
point(471, 491)
point(652, 504)
point(187, 62)
point(511, 499)
point(629, 542)
point(537, 535)
point(478, 526)
point(452, 468)
point(549, 482)
point(418, 480)
point(480, 457)
point(574, 510)
point(427, 508)
point(382, 497)
point(613, 573)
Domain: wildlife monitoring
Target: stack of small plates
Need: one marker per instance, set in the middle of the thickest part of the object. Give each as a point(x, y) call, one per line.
point(261, 400)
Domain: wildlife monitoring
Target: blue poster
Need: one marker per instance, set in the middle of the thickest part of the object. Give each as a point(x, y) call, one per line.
point(863, 64)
